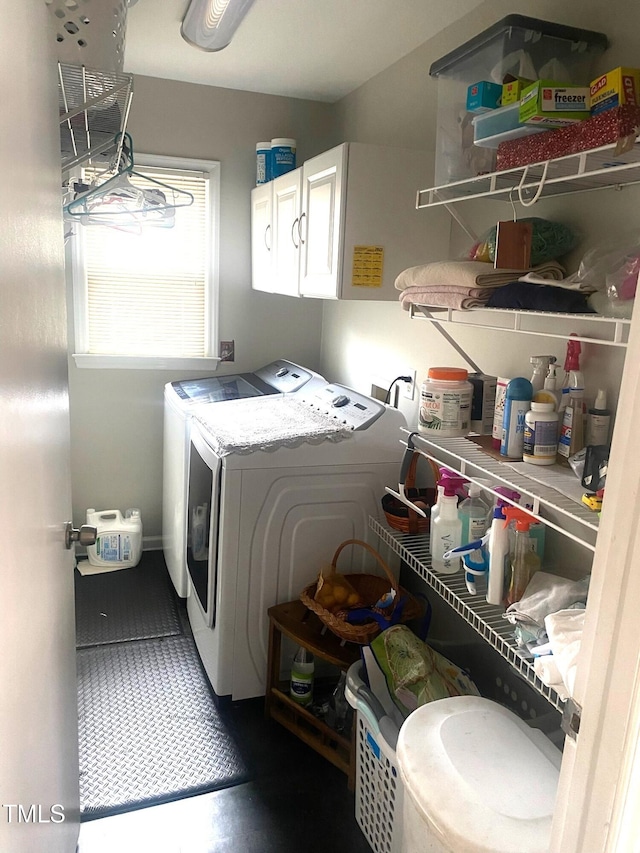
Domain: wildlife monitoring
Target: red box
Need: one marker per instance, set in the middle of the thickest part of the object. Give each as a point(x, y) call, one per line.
point(605, 128)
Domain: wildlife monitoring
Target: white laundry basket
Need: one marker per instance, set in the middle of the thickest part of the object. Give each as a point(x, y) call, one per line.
point(90, 32)
point(379, 790)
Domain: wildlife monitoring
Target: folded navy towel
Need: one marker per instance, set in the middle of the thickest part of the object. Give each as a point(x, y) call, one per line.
point(539, 297)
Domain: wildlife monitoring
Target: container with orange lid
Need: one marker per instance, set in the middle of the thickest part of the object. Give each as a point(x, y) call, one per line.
point(445, 402)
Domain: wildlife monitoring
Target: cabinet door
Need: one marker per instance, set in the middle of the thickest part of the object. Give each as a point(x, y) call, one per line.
point(323, 199)
point(261, 238)
point(285, 229)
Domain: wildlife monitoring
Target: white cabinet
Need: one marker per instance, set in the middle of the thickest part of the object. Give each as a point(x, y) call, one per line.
point(344, 225)
point(285, 225)
point(261, 238)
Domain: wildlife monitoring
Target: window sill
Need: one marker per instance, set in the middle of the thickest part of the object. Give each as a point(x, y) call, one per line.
point(125, 362)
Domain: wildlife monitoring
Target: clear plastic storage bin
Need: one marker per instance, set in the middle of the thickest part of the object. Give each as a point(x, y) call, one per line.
point(516, 45)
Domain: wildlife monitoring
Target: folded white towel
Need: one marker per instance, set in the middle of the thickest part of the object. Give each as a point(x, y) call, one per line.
point(470, 274)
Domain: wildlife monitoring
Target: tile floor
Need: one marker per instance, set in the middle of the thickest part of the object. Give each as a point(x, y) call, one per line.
point(294, 802)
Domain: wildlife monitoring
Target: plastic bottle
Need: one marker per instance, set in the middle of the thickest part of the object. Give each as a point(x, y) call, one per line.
point(524, 561)
point(571, 432)
point(498, 548)
point(540, 434)
point(517, 404)
point(541, 364)
point(473, 515)
point(456, 482)
point(573, 377)
point(446, 532)
point(302, 670)
point(598, 420)
point(549, 392)
point(445, 402)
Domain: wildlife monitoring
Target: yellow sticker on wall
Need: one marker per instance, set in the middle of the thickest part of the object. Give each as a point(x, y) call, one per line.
point(367, 266)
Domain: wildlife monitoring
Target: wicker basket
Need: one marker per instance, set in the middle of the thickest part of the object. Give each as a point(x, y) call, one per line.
point(402, 517)
point(370, 589)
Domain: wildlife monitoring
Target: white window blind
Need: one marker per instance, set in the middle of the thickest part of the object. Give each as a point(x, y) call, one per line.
point(150, 294)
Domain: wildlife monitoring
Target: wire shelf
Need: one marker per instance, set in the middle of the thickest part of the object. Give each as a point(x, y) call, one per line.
point(594, 328)
point(548, 505)
point(486, 619)
point(94, 109)
point(596, 169)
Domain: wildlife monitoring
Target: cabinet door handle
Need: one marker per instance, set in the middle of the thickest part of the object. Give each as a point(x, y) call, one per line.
point(302, 216)
point(267, 230)
point(295, 226)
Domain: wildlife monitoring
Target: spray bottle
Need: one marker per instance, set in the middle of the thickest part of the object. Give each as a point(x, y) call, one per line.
point(457, 484)
point(573, 376)
point(524, 562)
point(498, 548)
point(541, 365)
point(549, 392)
point(446, 530)
point(473, 515)
point(537, 531)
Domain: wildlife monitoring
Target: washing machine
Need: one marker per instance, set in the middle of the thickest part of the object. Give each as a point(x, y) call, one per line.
point(270, 498)
point(180, 398)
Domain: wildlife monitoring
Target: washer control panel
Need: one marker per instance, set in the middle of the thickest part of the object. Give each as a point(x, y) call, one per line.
point(346, 405)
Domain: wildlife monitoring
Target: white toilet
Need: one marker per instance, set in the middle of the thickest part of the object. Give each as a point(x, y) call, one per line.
point(476, 779)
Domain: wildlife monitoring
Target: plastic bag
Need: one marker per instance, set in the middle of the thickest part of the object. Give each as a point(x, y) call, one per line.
point(334, 591)
point(612, 268)
point(549, 240)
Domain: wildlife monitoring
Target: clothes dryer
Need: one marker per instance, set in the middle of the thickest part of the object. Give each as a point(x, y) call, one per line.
point(278, 484)
point(180, 398)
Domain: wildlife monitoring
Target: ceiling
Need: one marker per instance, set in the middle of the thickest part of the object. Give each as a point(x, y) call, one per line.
point(315, 49)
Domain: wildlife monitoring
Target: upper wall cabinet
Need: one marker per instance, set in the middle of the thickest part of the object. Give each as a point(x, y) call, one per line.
point(345, 224)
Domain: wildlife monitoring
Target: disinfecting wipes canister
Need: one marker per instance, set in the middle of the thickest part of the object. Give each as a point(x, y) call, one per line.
point(445, 402)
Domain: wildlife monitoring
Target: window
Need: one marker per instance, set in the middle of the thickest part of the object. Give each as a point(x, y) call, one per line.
point(148, 297)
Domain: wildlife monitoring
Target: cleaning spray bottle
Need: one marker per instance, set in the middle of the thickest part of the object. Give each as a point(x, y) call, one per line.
point(549, 392)
point(537, 531)
point(541, 364)
point(446, 530)
point(524, 562)
point(573, 376)
point(456, 483)
point(473, 515)
point(498, 548)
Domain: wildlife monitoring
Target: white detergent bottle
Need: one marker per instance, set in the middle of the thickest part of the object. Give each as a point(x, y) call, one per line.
point(498, 548)
point(119, 538)
point(473, 515)
point(446, 533)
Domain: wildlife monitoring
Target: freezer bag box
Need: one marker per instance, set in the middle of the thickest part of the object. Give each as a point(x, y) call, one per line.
point(483, 402)
point(617, 88)
point(483, 97)
point(552, 104)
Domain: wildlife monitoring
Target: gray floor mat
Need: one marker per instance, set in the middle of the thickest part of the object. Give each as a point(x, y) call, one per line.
point(149, 730)
point(130, 604)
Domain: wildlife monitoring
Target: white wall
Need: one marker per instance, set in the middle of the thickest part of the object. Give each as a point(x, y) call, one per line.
point(399, 107)
point(116, 415)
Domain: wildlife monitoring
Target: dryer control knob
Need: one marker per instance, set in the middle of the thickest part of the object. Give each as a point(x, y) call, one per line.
point(282, 372)
point(340, 400)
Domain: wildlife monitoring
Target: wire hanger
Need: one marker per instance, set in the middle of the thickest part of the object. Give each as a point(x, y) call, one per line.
point(119, 203)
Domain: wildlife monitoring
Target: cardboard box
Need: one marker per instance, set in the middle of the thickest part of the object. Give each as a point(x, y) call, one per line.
point(483, 402)
point(483, 96)
point(512, 89)
point(549, 104)
point(617, 88)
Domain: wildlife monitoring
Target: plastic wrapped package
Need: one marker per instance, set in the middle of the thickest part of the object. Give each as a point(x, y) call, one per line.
point(550, 240)
point(611, 270)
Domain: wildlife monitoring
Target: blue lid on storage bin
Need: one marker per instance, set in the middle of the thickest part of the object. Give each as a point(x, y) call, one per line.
point(516, 32)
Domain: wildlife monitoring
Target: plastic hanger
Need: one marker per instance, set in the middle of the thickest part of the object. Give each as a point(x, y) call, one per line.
point(119, 203)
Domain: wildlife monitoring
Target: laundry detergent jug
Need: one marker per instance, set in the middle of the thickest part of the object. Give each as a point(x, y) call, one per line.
point(118, 539)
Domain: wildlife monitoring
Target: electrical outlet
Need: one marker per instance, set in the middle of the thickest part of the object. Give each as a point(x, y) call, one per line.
point(408, 389)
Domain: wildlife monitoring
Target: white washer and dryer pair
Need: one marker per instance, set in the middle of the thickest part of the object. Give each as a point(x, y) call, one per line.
point(274, 505)
point(180, 398)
